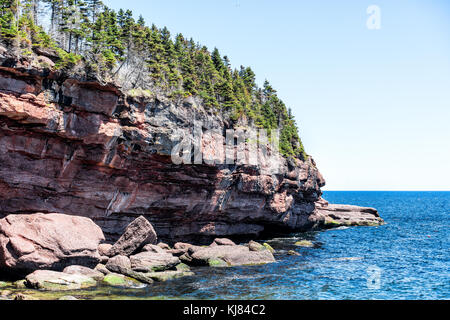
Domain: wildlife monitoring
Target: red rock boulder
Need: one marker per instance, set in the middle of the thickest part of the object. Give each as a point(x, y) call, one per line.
point(30, 242)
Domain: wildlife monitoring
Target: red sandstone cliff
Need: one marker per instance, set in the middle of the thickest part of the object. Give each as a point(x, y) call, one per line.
point(79, 147)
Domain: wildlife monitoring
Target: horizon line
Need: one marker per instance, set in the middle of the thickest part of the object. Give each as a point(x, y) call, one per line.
point(386, 190)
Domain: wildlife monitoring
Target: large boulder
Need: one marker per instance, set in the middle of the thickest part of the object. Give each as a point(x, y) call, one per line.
point(54, 241)
point(218, 256)
point(151, 261)
point(138, 234)
point(58, 281)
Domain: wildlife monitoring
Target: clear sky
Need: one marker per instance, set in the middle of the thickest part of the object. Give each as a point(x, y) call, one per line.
point(372, 106)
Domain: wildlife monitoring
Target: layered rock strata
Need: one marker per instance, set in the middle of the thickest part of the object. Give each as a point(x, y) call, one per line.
point(79, 147)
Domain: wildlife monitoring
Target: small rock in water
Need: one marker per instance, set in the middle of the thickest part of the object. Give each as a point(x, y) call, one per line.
point(119, 280)
point(304, 243)
point(293, 253)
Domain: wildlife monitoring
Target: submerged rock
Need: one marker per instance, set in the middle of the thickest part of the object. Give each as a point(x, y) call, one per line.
point(137, 234)
point(58, 281)
point(304, 243)
point(47, 241)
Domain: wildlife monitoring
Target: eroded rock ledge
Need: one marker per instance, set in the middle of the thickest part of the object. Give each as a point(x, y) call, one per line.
point(75, 146)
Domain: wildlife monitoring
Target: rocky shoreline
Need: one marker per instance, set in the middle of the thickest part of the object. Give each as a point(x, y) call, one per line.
point(56, 252)
point(89, 194)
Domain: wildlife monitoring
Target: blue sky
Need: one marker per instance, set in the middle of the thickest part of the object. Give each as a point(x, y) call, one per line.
point(372, 106)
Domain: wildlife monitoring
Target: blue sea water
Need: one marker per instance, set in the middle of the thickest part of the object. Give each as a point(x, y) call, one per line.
point(408, 258)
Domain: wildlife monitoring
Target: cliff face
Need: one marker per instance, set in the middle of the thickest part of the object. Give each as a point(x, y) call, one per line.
point(83, 148)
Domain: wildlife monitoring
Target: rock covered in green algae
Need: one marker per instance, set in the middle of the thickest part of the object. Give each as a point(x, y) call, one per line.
point(182, 267)
point(119, 280)
point(150, 277)
point(255, 246)
point(58, 281)
point(268, 247)
point(3, 284)
point(217, 263)
point(304, 243)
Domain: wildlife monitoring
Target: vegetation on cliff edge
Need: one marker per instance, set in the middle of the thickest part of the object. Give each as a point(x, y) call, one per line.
point(113, 45)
